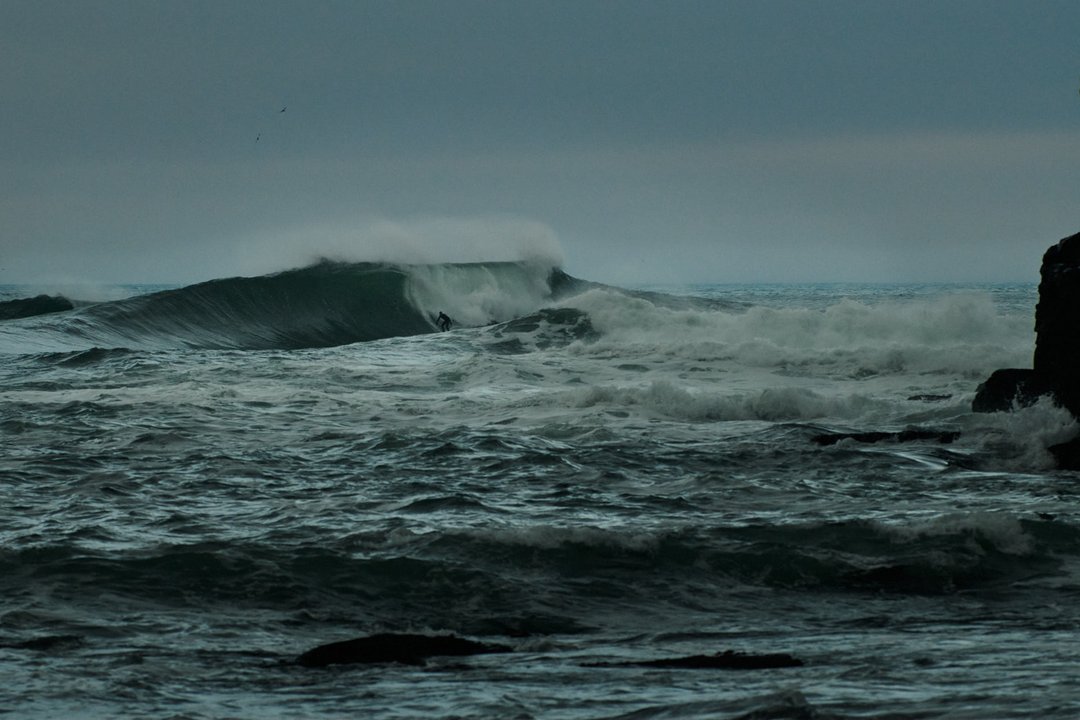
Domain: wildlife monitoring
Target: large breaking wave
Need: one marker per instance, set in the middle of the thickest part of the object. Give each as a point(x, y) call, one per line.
point(323, 305)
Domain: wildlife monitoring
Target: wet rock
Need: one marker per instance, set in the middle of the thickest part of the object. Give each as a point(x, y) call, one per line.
point(727, 660)
point(47, 643)
point(910, 435)
point(1067, 454)
point(928, 397)
point(1057, 322)
point(1010, 388)
point(1057, 349)
point(395, 648)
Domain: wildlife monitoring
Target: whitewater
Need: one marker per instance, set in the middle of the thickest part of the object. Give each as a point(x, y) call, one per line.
point(202, 483)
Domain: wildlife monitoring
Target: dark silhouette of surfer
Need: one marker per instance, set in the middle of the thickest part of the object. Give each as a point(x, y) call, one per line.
point(443, 321)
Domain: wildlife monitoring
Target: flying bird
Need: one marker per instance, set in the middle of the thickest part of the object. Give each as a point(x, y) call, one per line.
point(283, 109)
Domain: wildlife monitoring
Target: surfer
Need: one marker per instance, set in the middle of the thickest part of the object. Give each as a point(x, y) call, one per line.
point(444, 322)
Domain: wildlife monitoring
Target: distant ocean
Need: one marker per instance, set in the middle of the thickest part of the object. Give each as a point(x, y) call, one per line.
point(201, 483)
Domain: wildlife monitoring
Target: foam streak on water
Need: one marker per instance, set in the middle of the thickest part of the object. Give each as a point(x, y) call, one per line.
point(593, 476)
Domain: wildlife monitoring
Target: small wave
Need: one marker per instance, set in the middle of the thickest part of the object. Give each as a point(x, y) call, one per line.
point(445, 503)
point(492, 576)
point(783, 705)
point(668, 399)
point(936, 556)
point(550, 327)
point(30, 307)
point(939, 556)
point(79, 358)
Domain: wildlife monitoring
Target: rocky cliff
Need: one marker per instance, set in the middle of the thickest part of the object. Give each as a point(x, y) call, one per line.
point(1056, 370)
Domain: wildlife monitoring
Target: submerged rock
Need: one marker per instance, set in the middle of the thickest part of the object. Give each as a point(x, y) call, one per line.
point(910, 435)
point(928, 397)
point(412, 649)
point(395, 648)
point(48, 643)
point(727, 660)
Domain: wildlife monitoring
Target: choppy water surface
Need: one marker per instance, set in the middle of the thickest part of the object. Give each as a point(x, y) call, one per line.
point(196, 490)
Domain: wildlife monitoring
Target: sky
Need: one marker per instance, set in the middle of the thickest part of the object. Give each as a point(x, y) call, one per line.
point(630, 142)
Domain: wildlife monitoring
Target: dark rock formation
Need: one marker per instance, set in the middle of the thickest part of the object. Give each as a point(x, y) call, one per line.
point(28, 307)
point(1056, 370)
point(727, 660)
point(395, 648)
point(927, 397)
point(1010, 388)
point(910, 435)
point(1067, 454)
point(416, 649)
point(47, 643)
point(1057, 322)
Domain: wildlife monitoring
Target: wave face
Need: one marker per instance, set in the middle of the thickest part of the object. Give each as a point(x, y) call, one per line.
point(324, 305)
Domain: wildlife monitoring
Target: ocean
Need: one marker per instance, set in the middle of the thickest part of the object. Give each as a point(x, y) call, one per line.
point(202, 483)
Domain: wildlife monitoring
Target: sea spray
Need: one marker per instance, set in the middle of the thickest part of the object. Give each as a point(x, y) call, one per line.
point(479, 294)
point(946, 334)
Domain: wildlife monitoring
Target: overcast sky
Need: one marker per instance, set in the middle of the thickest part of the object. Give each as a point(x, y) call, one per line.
point(640, 142)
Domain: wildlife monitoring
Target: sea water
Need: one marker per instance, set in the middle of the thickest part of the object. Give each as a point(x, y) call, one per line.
point(201, 483)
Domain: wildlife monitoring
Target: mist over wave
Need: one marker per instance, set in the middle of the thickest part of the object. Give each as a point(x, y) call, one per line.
point(404, 241)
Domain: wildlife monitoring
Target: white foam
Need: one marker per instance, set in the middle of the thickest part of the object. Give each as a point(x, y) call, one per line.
point(1002, 531)
point(667, 399)
point(476, 295)
point(1018, 440)
point(955, 334)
